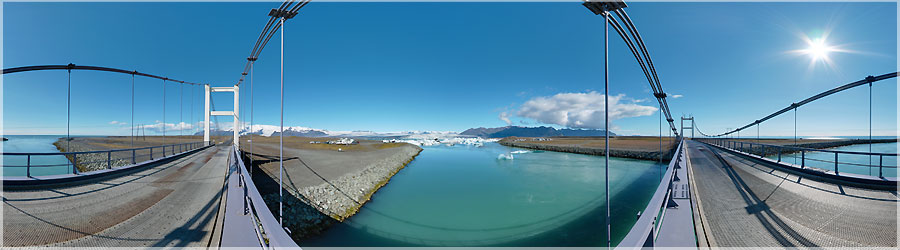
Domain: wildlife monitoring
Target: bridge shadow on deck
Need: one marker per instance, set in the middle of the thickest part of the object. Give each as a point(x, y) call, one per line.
point(761, 210)
point(800, 180)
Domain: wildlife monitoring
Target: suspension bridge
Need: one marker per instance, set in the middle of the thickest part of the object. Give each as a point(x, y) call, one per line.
point(715, 192)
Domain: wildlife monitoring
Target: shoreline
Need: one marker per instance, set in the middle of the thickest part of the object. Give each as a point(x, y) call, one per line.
point(815, 145)
point(653, 155)
point(613, 152)
point(324, 186)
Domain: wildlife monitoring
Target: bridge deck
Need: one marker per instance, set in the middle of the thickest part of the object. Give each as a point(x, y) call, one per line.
point(173, 204)
point(745, 204)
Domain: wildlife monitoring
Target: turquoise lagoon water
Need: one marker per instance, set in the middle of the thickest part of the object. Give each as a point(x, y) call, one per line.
point(33, 144)
point(467, 196)
point(816, 159)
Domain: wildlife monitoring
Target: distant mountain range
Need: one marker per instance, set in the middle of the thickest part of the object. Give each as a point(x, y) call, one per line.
point(501, 132)
point(531, 132)
point(270, 130)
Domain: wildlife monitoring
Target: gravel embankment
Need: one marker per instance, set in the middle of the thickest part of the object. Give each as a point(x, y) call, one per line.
point(90, 162)
point(323, 187)
point(98, 161)
point(341, 198)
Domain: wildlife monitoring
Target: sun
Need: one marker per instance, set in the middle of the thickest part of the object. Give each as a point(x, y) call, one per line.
point(818, 50)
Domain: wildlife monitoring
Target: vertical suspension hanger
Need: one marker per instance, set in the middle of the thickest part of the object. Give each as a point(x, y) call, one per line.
point(69, 108)
point(164, 116)
point(252, 62)
point(192, 111)
point(132, 108)
point(181, 110)
point(869, 79)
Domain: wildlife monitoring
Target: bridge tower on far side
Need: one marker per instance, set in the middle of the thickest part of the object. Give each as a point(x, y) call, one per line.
point(691, 118)
point(233, 113)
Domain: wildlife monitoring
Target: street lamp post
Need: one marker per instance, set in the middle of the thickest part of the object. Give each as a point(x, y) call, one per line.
point(281, 15)
point(604, 8)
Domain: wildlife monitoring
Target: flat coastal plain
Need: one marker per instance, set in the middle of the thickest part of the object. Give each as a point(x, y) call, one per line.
point(635, 147)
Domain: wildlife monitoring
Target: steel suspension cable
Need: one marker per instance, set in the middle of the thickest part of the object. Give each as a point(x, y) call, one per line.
point(634, 51)
point(657, 88)
point(640, 42)
point(793, 106)
point(287, 10)
point(71, 67)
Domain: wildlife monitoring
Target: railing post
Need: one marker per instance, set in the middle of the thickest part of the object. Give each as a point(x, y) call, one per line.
point(28, 167)
point(880, 165)
point(151, 153)
point(133, 158)
point(74, 163)
point(108, 159)
point(802, 159)
point(836, 171)
point(779, 154)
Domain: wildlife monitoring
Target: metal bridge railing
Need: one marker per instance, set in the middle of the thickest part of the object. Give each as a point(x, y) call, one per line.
point(266, 226)
point(646, 228)
point(814, 158)
point(100, 159)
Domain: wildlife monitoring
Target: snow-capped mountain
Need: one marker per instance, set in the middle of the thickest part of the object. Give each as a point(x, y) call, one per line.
point(272, 130)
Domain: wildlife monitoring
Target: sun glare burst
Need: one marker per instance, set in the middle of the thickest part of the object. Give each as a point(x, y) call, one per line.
point(818, 50)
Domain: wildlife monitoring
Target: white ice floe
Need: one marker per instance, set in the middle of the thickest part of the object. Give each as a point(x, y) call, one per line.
point(520, 152)
point(505, 157)
point(427, 141)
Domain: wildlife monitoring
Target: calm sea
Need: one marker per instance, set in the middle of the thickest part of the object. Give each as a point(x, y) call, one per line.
point(849, 163)
point(40, 164)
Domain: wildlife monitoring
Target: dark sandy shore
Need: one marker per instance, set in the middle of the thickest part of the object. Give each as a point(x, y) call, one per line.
point(635, 147)
point(648, 148)
point(323, 185)
point(92, 162)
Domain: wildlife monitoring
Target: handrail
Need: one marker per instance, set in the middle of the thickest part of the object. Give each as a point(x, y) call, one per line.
point(73, 161)
point(273, 236)
point(804, 149)
point(648, 221)
point(762, 149)
point(97, 151)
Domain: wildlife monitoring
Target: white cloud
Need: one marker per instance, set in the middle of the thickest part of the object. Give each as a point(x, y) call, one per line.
point(676, 96)
point(169, 127)
point(504, 116)
point(581, 110)
point(117, 123)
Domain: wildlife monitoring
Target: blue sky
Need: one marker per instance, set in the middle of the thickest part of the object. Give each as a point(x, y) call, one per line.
point(450, 66)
